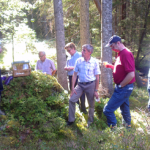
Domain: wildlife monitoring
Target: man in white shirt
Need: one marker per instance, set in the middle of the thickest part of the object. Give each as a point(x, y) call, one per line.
point(88, 70)
point(45, 65)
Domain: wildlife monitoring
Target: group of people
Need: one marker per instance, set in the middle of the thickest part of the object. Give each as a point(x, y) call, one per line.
point(86, 70)
point(83, 72)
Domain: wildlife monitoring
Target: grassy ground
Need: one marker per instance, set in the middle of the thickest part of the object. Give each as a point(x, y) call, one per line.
point(79, 137)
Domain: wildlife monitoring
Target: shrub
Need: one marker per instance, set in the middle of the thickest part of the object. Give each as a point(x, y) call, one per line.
point(37, 103)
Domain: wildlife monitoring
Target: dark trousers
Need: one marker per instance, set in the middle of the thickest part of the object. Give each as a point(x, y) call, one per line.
point(82, 98)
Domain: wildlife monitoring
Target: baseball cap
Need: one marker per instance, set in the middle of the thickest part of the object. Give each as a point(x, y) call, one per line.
point(112, 40)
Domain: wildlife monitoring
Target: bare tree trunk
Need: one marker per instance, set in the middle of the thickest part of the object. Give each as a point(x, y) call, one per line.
point(98, 5)
point(84, 22)
point(13, 47)
point(138, 79)
point(123, 17)
point(69, 32)
point(60, 43)
point(142, 35)
point(45, 29)
point(106, 53)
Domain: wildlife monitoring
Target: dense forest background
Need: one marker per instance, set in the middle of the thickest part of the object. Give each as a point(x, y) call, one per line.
point(33, 20)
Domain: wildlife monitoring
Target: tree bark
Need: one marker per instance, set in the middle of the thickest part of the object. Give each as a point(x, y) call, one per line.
point(84, 22)
point(60, 43)
point(106, 52)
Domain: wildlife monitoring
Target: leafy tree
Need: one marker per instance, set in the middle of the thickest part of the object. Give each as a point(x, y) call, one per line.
point(13, 21)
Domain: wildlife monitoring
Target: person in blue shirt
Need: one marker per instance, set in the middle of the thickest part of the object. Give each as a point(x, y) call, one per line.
point(71, 60)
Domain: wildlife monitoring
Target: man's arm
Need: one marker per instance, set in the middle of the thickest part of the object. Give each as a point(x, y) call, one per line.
point(74, 77)
point(109, 66)
point(69, 68)
point(127, 79)
point(96, 86)
point(53, 67)
point(53, 73)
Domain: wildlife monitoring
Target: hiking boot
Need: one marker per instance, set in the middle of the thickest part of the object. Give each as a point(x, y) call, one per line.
point(85, 112)
point(113, 128)
point(128, 127)
point(69, 123)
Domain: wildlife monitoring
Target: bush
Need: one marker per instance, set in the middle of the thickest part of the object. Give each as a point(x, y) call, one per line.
point(37, 104)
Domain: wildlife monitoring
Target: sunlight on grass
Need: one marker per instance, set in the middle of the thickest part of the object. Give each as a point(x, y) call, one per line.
point(20, 53)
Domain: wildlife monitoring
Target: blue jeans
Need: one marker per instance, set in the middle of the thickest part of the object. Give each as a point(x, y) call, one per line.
point(120, 98)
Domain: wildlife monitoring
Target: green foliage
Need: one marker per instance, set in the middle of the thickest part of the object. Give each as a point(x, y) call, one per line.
point(47, 129)
point(35, 104)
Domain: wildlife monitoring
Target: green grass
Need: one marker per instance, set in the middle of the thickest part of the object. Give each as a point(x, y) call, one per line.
point(77, 136)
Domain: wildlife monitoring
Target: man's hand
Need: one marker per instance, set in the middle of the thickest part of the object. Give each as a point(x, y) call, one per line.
point(72, 92)
point(107, 65)
point(66, 68)
point(96, 94)
point(53, 73)
point(69, 68)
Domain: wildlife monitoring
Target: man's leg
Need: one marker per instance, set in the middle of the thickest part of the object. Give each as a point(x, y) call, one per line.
point(82, 101)
point(117, 99)
point(73, 99)
point(70, 84)
point(89, 91)
point(125, 109)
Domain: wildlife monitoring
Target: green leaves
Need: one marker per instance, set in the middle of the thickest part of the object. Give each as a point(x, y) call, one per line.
point(38, 103)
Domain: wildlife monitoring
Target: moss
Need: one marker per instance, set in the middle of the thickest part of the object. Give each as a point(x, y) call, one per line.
point(3, 118)
point(9, 141)
point(32, 102)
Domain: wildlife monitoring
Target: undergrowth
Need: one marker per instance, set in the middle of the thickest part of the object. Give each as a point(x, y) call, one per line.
point(36, 110)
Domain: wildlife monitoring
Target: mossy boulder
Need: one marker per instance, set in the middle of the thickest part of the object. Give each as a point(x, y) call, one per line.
point(35, 103)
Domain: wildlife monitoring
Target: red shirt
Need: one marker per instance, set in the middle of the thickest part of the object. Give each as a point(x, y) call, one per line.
point(123, 65)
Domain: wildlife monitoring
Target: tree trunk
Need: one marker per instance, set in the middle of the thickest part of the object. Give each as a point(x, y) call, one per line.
point(84, 22)
point(138, 80)
point(106, 52)
point(60, 43)
point(98, 5)
point(123, 17)
point(143, 33)
point(13, 47)
point(45, 29)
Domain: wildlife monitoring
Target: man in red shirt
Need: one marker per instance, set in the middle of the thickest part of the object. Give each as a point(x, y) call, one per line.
point(124, 77)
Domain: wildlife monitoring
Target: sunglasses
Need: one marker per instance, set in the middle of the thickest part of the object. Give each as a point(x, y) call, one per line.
point(68, 51)
point(41, 56)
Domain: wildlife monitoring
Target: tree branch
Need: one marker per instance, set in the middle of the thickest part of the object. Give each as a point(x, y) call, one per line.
point(98, 5)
